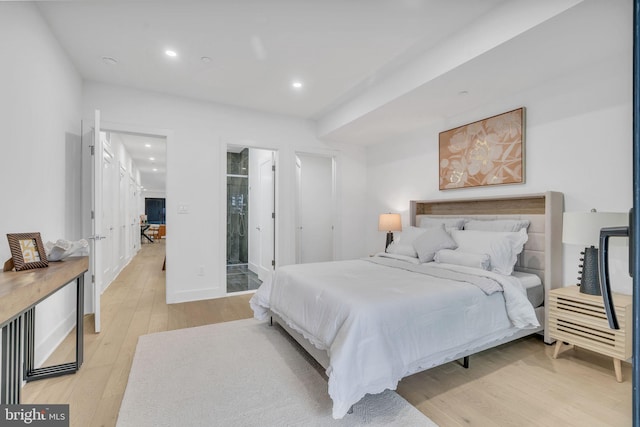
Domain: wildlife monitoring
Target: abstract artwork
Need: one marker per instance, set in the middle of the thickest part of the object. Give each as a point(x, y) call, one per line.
point(486, 152)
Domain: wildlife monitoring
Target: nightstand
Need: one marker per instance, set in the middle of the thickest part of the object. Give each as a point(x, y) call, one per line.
point(580, 319)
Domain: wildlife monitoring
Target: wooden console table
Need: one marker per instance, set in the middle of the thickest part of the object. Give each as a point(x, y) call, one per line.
point(20, 292)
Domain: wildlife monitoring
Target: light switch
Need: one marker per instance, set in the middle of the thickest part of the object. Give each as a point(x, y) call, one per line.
point(183, 209)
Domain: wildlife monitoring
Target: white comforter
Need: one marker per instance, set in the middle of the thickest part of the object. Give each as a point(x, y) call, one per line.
point(381, 320)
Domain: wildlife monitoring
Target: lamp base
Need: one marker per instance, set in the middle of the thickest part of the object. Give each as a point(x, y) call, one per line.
point(589, 279)
point(389, 240)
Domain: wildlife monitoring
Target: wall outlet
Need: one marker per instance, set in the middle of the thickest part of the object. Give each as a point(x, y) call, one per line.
point(201, 270)
point(183, 208)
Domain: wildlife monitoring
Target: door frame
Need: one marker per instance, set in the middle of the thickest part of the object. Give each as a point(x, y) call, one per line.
point(107, 126)
point(334, 199)
point(222, 226)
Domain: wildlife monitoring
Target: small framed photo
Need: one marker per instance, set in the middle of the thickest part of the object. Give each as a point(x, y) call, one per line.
point(27, 251)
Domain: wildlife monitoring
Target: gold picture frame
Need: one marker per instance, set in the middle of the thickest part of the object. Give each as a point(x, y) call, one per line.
point(482, 153)
point(27, 251)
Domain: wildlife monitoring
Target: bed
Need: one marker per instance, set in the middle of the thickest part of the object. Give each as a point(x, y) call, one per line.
point(370, 322)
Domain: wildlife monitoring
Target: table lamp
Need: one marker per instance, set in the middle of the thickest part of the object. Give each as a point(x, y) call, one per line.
point(389, 222)
point(583, 228)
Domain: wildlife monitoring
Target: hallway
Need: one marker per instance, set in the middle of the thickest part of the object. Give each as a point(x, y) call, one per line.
point(133, 305)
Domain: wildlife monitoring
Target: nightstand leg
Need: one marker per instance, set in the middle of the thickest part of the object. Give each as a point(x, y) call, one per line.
point(618, 368)
point(556, 351)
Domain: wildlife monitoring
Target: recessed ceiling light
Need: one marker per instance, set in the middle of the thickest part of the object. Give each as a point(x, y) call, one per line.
point(152, 158)
point(155, 170)
point(463, 93)
point(147, 145)
point(206, 59)
point(296, 85)
point(171, 53)
point(109, 60)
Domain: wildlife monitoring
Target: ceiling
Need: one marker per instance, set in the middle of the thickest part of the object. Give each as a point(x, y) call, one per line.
point(150, 156)
point(371, 70)
point(256, 48)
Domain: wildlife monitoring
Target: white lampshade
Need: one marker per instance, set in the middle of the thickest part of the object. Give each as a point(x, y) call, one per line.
point(583, 228)
point(390, 222)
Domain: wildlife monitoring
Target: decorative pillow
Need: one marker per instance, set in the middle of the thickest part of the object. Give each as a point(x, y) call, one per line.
point(449, 223)
point(403, 245)
point(431, 241)
point(497, 224)
point(467, 259)
point(502, 247)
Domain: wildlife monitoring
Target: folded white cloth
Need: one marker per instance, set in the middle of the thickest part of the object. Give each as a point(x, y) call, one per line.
point(62, 249)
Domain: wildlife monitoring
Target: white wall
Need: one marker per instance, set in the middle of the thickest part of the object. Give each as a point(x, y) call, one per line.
point(578, 141)
point(40, 160)
point(196, 152)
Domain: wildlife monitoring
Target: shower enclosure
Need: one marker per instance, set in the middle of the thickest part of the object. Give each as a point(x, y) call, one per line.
point(237, 208)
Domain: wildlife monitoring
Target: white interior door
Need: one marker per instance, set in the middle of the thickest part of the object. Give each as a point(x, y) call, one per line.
point(315, 208)
point(266, 218)
point(94, 159)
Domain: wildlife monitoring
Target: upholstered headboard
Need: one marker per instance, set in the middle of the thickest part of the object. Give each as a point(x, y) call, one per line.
point(542, 254)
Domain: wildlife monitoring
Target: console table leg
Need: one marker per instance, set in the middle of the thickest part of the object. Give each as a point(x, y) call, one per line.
point(11, 346)
point(80, 321)
point(29, 341)
point(31, 373)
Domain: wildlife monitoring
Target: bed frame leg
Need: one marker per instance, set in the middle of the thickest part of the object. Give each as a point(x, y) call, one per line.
point(465, 362)
point(350, 411)
point(271, 321)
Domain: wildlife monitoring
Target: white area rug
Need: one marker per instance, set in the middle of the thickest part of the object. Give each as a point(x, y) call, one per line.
point(242, 373)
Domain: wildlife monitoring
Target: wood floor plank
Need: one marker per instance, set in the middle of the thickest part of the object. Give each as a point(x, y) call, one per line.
point(517, 384)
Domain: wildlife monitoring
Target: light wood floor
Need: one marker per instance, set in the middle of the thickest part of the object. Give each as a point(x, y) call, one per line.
point(517, 384)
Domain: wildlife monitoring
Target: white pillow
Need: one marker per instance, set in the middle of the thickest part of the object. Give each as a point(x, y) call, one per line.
point(403, 245)
point(467, 259)
point(502, 247)
point(449, 223)
point(497, 224)
point(431, 241)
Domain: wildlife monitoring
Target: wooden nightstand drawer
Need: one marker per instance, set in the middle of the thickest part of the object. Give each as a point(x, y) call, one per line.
point(581, 320)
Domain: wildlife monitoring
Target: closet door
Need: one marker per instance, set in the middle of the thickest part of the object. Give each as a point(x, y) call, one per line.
point(267, 218)
point(315, 208)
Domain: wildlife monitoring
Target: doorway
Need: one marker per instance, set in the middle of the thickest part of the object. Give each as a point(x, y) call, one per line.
point(250, 217)
point(315, 191)
point(121, 165)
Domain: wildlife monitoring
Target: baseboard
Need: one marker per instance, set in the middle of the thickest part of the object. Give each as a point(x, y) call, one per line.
point(188, 296)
